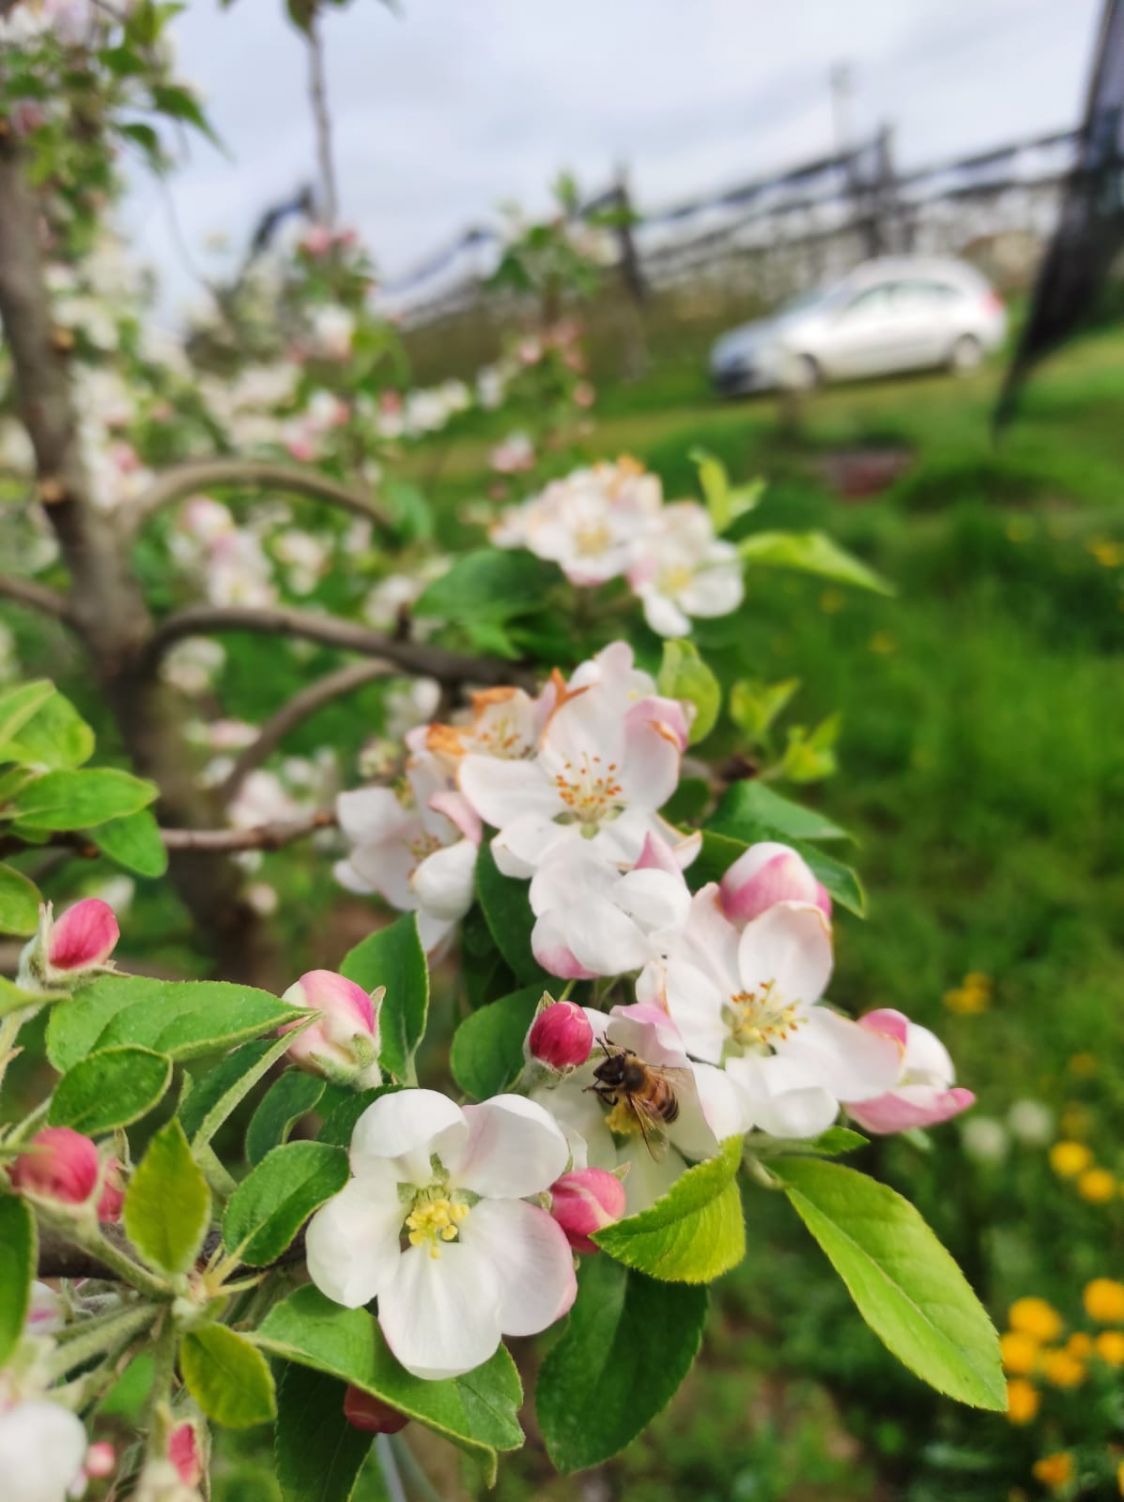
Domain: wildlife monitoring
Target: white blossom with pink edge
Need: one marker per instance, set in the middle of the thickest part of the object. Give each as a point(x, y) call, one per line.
point(609, 1137)
point(42, 1450)
point(681, 569)
point(592, 919)
point(606, 761)
point(765, 874)
point(343, 1044)
point(435, 1224)
point(415, 845)
point(749, 1000)
point(924, 1094)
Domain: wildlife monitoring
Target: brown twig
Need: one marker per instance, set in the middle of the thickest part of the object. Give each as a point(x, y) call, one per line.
point(298, 709)
point(322, 120)
point(271, 836)
point(250, 474)
point(415, 657)
point(36, 597)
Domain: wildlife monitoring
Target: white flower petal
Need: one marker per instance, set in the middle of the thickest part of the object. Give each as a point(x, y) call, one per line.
point(352, 1242)
point(695, 1004)
point(441, 1314)
point(407, 1128)
point(526, 843)
point(779, 1098)
point(852, 1062)
point(501, 791)
point(443, 881)
point(532, 1258)
point(514, 1148)
point(42, 1448)
point(790, 945)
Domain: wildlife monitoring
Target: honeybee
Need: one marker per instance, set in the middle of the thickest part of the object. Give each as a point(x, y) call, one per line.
point(640, 1094)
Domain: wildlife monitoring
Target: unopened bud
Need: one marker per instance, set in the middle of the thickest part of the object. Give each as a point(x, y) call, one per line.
point(101, 1459)
point(62, 1165)
point(766, 874)
point(371, 1414)
point(343, 1045)
point(561, 1036)
point(81, 939)
point(586, 1201)
point(183, 1452)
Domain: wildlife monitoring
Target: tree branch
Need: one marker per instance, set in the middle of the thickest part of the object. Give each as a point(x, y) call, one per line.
point(272, 836)
point(415, 657)
point(299, 708)
point(36, 597)
point(322, 120)
point(212, 474)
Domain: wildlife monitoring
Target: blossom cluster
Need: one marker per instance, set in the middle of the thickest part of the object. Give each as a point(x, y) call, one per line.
point(610, 522)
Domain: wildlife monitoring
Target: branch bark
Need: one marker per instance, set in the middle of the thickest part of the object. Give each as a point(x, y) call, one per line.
point(421, 658)
point(321, 118)
point(211, 474)
point(273, 836)
point(36, 597)
point(299, 708)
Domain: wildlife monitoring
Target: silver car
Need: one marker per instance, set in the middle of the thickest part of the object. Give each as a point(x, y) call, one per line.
point(897, 313)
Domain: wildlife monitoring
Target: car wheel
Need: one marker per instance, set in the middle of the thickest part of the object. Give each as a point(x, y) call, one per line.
point(801, 373)
point(965, 354)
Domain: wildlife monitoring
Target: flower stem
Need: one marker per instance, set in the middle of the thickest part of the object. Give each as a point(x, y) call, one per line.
point(99, 1336)
point(128, 1270)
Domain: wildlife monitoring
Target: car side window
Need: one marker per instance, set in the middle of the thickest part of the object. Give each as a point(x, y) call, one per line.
point(922, 293)
point(871, 300)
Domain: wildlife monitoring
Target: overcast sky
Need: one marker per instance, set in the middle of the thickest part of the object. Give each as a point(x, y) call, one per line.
point(456, 105)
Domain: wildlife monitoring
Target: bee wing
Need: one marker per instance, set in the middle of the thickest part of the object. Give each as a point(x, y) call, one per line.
point(680, 1079)
point(651, 1126)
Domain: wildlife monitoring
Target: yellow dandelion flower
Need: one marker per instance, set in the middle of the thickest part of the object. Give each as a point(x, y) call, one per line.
point(1079, 1345)
point(1108, 554)
point(1022, 1401)
point(967, 1001)
point(1083, 1065)
point(883, 644)
point(1019, 1351)
point(1062, 1370)
point(1054, 1470)
point(1104, 1301)
point(1036, 1318)
point(1068, 1159)
point(1097, 1185)
point(1109, 1346)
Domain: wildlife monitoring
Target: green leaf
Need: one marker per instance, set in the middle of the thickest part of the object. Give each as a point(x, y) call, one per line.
point(684, 675)
point(339, 1121)
point(17, 705)
point(18, 1253)
point(275, 1199)
point(19, 903)
point(507, 912)
point(14, 999)
point(393, 957)
point(833, 1143)
point(167, 1204)
point(841, 881)
point(724, 502)
point(906, 1286)
point(289, 1098)
point(410, 512)
point(111, 1088)
point(184, 1019)
point(810, 553)
point(223, 1088)
point(477, 1411)
point(627, 1346)
point(317, 1453)
point(487, 1053)
point(489, 585)
point(694, 1232)
point(54, 737)
point(228, 1377)
point(754, 705)
point(751, 811)
point(79, 800)
point(134, 842)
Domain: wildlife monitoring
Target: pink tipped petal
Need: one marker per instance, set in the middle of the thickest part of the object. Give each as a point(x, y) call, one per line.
point(549, 947)
point(84, 936)
point(560, 1036)
point(657, 855)
point(766, 874)
point(532, 1259)
point(912, 1106)
point(886, 1020)
point(515, 1148)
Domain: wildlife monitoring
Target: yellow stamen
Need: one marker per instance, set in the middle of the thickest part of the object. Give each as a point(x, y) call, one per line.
point(759, 1018)
point(432, 1221)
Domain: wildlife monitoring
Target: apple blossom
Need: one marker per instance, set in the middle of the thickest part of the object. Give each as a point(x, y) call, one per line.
point(681, 569)
point(343, 1045)
point(610, 1137)
point(748, 1000)
point(584, 1202)
point(451, 1183)
point(42, 1450)
point(60, 1164)
point(924, 1094)
point(765, 874)
point(561, 1036)
point(607, 759)
point(78, 941)
point(416, 846)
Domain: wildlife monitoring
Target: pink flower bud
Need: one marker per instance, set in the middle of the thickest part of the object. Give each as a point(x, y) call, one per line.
point(561, 1036)
point(62, 1165)
point(183, 1452)
point(84, 936)
point(101, 1459)
point(362, 1411)
point(584, 1202)
point(766, 874)
point(344, 1044)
